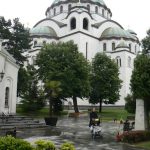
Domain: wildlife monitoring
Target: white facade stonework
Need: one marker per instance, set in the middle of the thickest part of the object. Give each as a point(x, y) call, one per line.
point(8, 85)
point(88, 23)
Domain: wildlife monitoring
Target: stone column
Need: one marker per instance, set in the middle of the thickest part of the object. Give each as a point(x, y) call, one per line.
point(140, 118)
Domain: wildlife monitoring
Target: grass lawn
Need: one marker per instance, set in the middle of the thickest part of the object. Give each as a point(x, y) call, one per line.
point(145, 145)
point(108, 113)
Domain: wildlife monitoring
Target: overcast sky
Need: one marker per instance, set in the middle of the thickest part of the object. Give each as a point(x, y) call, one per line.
point(133, 14)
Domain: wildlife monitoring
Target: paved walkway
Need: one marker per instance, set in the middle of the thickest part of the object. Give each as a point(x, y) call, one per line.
point(77, 132)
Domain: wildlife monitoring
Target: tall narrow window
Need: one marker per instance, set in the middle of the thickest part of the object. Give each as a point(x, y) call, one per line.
point(35, 43)
point(135, 48)
point(61, 9)
point(118, 61)
point(33, 60)
point(130, 47)
point(88, 7)
point(73, 23)
point(54, 11)
point(7, 97)
point(85, 23)
point(104, 47)
point(96, 10)
point(129, 62)
point(113, 46)
point(103, 12)
point(86, 50)
point(69, 7)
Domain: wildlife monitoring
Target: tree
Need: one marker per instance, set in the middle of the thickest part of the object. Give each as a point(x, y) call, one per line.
point(17, 38)
point(62, 62)
point(16, 41)
point(146, 42)
point(105, 82)
point(140, 81)
point(53, 90)
point(33, 98)
point(130, 104)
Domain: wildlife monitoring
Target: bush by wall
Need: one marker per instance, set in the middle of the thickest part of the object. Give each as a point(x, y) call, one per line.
point(134, 136)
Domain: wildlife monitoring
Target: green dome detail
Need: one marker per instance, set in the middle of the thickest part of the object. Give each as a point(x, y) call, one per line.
point(131, 31)
point(122, 44)
point(43, 31)
point(116, 32)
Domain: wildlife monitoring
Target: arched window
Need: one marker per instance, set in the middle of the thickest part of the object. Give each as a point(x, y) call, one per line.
point(54, 11)
point(103, 12)
point(85, 23)
point(73, 23)
point(44, 42)
point(96, 10)
point(88, 7)
point(129, 61)
point(118, 61)
point(130, 47)
point(7, 97)
point(104, 47)
point(113, 46)
point(35, 43)
point(69, 7)
point(61, 9)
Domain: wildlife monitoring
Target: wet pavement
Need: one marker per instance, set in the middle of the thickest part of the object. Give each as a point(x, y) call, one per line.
point(76, 130)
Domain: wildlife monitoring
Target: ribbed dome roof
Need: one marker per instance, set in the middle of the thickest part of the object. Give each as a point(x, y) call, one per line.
point(43, 30)
point(131, 31)
point(116, 32)
point(96, 1)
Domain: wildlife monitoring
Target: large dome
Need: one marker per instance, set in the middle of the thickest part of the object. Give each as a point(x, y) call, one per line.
point(95, 1)
point(116, 32)
point(43, 31)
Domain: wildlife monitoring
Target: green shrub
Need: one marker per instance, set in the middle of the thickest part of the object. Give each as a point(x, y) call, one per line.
point(67, 146)
point(135, 136)
point(10, 143)
point(44, 145)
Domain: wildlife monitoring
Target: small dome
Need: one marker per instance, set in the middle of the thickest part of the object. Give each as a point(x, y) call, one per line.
point(122, 44)
point(116, 32)
point(99, 1)
point(43, 31)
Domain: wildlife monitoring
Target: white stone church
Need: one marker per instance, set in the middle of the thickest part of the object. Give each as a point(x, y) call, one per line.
point(88, 23)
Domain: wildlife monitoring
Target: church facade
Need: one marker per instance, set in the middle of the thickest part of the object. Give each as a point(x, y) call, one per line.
point(88, 23)
point(8, 82)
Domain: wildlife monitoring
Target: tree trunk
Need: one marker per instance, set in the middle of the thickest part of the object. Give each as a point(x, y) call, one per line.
point(50, 106)
point(75, 104)
point(100, 106)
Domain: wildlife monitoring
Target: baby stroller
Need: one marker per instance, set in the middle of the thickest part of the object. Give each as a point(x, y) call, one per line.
point(96, 129)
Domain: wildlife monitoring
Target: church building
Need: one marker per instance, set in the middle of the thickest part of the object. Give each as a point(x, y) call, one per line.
point(8, 82)
point(88, 23)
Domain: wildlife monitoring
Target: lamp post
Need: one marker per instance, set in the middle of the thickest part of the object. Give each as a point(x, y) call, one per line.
point(1, 76)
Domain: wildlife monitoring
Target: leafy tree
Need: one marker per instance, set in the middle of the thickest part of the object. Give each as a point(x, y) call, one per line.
point(62, 62)
point(140, 81)
point(33, 98)
point(16, 41)
point(130, 104)
point(105, 82)
point(146, 42)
